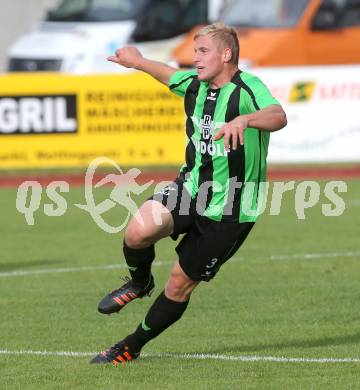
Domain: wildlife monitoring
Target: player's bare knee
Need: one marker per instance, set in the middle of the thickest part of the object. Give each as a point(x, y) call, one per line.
point(175, 291)
point(179, 288)
point(137, 237)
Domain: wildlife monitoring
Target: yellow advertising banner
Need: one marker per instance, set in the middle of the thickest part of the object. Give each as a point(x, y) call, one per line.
point(53, 120)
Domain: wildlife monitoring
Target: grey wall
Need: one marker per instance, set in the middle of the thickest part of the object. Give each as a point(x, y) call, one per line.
point(16, 18)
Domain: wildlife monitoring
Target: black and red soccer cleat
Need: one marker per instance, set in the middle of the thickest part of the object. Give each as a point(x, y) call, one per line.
point(117, 354)
point(119, 298)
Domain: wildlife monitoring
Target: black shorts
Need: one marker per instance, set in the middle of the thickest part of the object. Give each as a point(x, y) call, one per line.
point(207, 244)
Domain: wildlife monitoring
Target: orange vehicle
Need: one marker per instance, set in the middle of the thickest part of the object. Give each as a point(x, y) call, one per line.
point(289, 32)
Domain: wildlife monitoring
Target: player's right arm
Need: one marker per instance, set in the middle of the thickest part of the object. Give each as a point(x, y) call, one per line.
point(130, 57)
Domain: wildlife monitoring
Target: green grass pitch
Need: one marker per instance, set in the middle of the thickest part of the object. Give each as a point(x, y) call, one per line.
point(291, 291)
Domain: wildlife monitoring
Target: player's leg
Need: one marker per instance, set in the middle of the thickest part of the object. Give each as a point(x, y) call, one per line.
point(152, 222)
point(168, 212)
point(201, 253)
point(165, 311)
point(168, 308)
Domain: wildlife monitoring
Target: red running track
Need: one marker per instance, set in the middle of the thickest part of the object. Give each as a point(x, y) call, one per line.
point(279, 174)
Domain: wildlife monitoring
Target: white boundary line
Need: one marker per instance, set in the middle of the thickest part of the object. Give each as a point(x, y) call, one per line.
point(295, 256)
point(196, 356)
point(311, 256)
point(73, 269)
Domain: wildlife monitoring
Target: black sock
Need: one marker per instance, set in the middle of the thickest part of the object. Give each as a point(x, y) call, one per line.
point(139, 262)
point(163, 313)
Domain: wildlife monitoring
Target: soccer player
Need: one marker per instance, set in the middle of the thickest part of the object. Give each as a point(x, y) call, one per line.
point(230, 114)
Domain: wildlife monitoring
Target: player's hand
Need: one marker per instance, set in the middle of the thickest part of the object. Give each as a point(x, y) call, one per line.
point(235, 130)
point(127, 56)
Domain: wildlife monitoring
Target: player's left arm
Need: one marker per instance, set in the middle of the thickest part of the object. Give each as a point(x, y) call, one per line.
point(271, 118)
point(263, 112)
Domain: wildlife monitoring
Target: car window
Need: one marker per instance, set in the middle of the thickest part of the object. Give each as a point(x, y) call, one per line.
point(95, 10)
point(337, 14)
point(164, 19)
point(264, 13)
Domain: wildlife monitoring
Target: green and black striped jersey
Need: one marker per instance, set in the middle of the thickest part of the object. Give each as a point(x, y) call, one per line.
point(226, 182)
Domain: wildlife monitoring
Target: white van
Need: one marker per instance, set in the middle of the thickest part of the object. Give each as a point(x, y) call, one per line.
point(78, 35)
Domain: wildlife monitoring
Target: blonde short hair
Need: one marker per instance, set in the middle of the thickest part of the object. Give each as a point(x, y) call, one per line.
point(225, 35)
